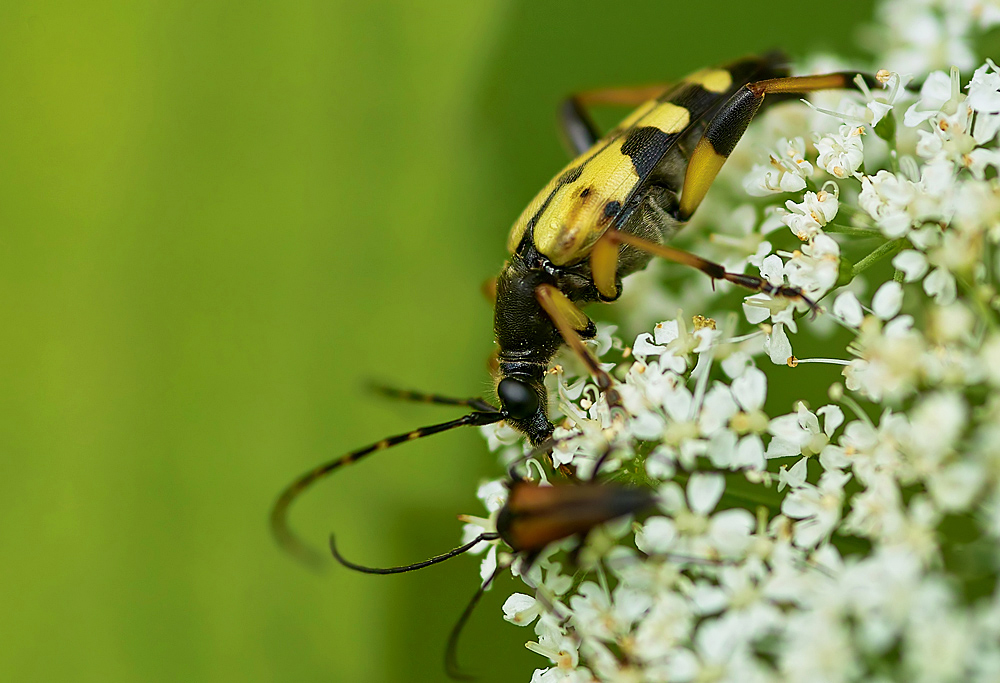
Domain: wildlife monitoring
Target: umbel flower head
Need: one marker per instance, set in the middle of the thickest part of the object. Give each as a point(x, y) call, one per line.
point(828, 488)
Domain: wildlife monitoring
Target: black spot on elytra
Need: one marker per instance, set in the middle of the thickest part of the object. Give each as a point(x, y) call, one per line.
point(612, 208)
point(646, 146)
point(585, 192)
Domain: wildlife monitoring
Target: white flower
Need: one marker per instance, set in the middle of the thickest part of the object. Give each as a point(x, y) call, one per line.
point(521, 609)
point(937, 422)
point(740, 409)
point(808, 218)
point(889, 362)
point(816, 507)
point(786, 171)
point(494, 495)
point(978, 159)
point(562, 650)
point(888, 300)
point(800, 433)
point(937, 89)
point(744, 238)
point(499, 435)
point(876, 512)
point(842, 153)
point(887, 198)
point(818, 649)
point(691, 530)
point(720, 653)
point(815, 267)
point(984, 98)
point(847, 307)
point(940, 284)
point(881, 103)
point(917, 38)
point(760, 307)
point(673, 342)
point(778, 348)
point(912, 263)
point(594, 614)
point(668, 623)
point(938, 637)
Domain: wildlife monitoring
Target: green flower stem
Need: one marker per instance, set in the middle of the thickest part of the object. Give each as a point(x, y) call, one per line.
point(850, 230)
point(884, 251)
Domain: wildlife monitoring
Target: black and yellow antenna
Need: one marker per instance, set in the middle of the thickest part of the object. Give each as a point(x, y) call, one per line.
point(279, 513)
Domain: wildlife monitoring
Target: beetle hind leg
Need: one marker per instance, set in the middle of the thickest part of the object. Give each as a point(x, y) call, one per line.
point(728, 125)
point(575, 122)
point(605, 265)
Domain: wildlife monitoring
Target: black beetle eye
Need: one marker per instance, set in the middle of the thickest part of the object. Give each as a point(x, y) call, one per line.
point(519, 400)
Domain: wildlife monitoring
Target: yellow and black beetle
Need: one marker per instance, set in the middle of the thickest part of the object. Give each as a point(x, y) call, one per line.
point(610, 210)
point(604, 216)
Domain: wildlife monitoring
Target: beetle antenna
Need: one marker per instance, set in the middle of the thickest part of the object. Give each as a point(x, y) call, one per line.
point(279, 513)
point(488, 536)
point(451, 652)
point(423, 397)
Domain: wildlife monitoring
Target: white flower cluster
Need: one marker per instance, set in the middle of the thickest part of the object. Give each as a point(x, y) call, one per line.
point(857, 536)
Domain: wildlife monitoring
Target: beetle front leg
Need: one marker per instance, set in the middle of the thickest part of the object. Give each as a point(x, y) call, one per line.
point(568, 319)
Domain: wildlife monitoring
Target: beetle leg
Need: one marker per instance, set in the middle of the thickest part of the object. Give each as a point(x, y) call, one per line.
point(578, 128)
point(567, 317)
point(489, 290)
point(604, 267)
point(558, 305)
point(729, 124)
point(493, 362)
point(710, 268)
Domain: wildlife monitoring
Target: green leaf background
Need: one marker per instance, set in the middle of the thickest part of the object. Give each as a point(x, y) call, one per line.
point(219, 221)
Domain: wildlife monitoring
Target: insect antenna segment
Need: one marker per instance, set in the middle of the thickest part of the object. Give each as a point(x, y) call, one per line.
point(423, 397)
point(280, 529)
point(488, 536)
point(451, 667)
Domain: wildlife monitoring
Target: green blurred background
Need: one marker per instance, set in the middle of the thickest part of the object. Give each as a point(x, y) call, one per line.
point(219, 220)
